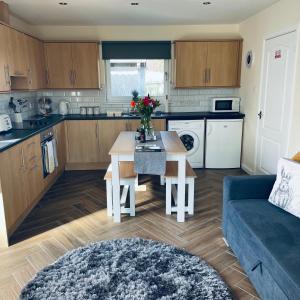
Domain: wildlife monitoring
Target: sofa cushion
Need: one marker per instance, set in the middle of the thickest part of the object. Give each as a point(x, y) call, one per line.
point(286, 190)
point(274, 236)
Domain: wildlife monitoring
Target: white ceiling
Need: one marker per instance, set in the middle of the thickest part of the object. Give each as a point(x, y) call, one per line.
point(148, 12)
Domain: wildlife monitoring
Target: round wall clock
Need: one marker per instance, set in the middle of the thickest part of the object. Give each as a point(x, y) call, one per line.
point(249, 58)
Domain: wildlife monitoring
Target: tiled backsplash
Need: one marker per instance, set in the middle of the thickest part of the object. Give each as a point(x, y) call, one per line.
point(31, 107)
point(179, 100)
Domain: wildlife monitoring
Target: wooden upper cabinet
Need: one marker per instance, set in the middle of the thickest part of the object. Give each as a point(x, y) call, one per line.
point(190, 64)
point(85, 65)
point(36, 63)
point(4, 71)
point(223, 64)
point(17, 53)
point(208, 64)
point(59, 65)
point(72, 65)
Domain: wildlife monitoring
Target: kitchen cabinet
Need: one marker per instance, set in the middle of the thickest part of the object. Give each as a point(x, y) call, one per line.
point(21, 180)
point(108, 133)
point(82, 141)
point(12, 174)
point(208, 63)
point(58, 65)
point(190, 64)
point(33, 172)
point(85, 65)
point(4, 71)
point(72, 65)
point(17, 53)
point(223, 64)
point(60, 136)
point(36, 63)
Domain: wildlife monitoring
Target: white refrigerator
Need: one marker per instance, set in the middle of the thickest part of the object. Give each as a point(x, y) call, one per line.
point(223, 144)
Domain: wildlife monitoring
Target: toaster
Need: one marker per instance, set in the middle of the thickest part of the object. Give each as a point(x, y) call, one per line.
point(5, 123)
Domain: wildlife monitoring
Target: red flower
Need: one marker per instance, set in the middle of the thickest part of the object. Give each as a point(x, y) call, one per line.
point(132, 104)
point(147, 101)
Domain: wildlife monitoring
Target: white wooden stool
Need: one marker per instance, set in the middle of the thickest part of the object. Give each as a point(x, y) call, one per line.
point(171, 177)
point(128, 179)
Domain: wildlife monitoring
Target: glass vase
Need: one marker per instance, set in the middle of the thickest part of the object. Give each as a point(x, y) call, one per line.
point(147, 125)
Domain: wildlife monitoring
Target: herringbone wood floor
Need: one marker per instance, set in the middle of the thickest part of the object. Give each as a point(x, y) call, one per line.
point(73, 213)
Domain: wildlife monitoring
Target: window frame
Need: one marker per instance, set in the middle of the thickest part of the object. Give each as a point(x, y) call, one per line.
point(126, 99)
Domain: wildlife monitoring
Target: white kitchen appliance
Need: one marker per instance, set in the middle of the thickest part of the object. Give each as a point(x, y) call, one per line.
point(222, 105)
point(64, 107)
point(5, 123)
point(191, 133)
point(223, 144)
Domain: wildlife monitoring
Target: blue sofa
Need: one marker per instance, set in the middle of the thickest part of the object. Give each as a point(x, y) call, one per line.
point(265, 238)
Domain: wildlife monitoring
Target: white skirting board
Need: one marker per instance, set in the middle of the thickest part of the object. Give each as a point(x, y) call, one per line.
point(247, 170)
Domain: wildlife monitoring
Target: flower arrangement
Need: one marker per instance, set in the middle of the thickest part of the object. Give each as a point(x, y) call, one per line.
point(145, 107)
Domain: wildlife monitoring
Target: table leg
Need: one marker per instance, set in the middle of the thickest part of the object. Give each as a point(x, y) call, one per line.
point(181, 189)
point(116, 188)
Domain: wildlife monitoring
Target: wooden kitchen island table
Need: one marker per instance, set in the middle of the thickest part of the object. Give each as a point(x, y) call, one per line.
point(123, 150)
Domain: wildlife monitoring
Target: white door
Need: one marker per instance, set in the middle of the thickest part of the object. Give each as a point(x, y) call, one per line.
point(276, 101)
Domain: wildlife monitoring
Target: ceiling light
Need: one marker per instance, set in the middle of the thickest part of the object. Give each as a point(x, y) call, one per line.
point(206, 3)
point(134, 3)
point(63, 3)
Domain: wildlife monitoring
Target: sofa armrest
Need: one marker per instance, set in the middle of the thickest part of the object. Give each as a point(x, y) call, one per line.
point(248, 187)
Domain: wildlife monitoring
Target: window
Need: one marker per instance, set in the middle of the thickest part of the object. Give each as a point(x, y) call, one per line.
point(147, 76)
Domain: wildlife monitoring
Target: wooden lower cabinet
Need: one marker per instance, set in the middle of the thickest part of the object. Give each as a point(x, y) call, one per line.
point(34, 181)
point(108, 133)
point(89, 142)
point(60, 136)
point(22, 184)
point(13, 181)
point(82, 141)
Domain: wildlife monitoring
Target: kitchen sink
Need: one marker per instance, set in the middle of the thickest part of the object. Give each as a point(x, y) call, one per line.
point(8, 142)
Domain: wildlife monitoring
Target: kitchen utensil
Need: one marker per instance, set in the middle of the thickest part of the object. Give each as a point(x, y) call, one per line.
point(83, 110)
point(5, 123)
point(45, 106)
point(89, 110)
point(96, 110)
point(64, 107)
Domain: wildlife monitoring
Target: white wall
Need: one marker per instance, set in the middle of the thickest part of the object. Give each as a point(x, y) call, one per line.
point(278, 17)
point(136, 32)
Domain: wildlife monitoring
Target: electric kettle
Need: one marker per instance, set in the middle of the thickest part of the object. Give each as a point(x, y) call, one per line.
point(64, 107)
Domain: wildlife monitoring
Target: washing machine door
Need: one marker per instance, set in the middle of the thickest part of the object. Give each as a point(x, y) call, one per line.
point(190, 141)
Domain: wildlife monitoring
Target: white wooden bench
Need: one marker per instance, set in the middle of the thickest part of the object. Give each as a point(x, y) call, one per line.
point(171, 177)
point(128, 179)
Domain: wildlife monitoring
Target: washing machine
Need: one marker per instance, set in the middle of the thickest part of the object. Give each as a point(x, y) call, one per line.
point(191, 133)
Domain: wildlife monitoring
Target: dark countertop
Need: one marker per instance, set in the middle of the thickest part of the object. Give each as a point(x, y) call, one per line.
point(23, 134)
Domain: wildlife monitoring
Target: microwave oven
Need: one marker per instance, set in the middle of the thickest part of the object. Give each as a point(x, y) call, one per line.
point(222, 105)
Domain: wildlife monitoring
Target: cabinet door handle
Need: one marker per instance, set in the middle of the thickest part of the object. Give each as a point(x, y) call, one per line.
point(47, 77)
point(96, 130)
point(209, 72)
point(23, 159)
point(74, 77)
point(71, 77)
point(29, 76)
point(7, 76)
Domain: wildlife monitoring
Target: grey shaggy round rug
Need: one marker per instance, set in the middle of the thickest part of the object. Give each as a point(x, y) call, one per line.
point(127, 269)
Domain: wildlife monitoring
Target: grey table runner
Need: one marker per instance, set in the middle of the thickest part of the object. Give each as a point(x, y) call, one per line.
point(151, 163)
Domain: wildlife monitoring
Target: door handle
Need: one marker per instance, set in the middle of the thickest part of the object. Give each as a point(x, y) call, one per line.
point(208, 75)
point(71, 77)
point(260, 115)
